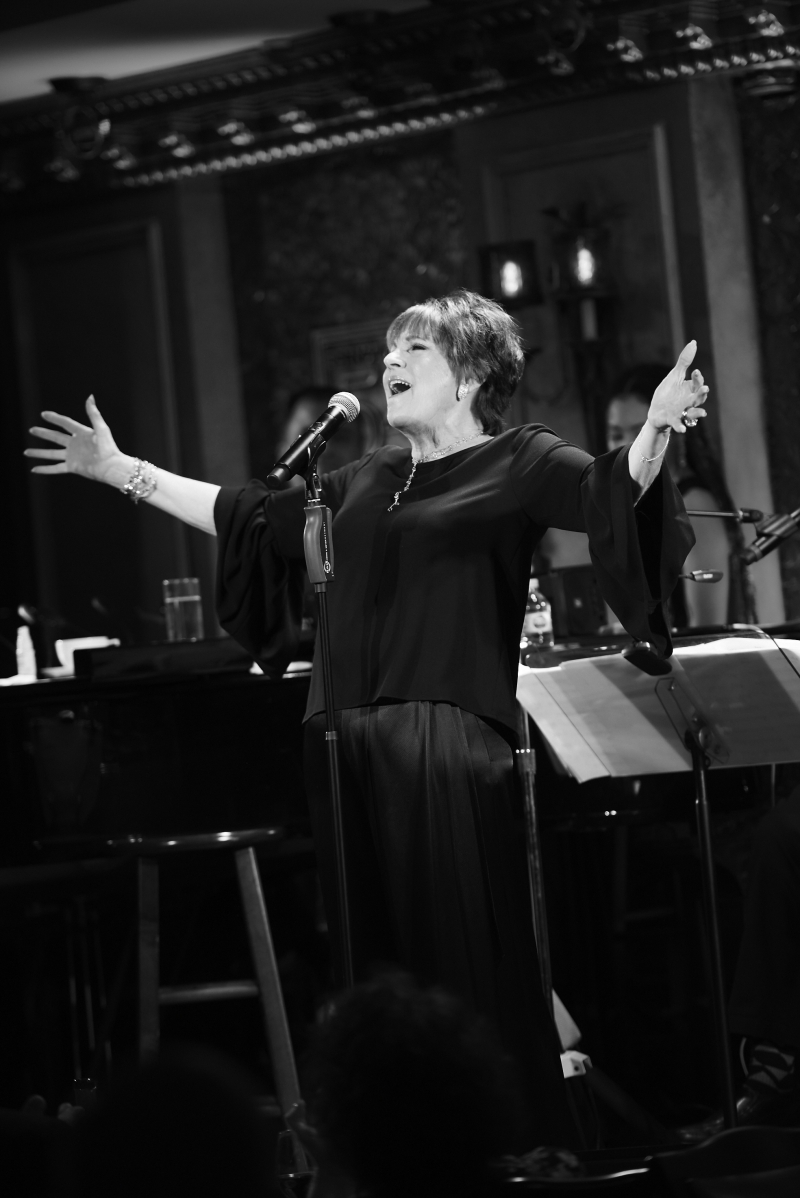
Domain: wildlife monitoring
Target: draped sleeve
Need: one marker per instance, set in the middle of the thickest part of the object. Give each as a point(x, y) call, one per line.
point(259, 585)
point(637, 543)
point(637, 548)
point(261, 565)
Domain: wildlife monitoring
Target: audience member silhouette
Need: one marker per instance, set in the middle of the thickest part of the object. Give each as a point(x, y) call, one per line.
point(185, 1124)
point(409, 1094)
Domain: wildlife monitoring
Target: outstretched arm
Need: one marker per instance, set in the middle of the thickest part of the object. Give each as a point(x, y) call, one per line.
point(677, 404)
point(93, 453)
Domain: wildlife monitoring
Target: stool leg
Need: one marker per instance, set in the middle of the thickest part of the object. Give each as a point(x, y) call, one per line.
point(266, 967)
point(72, 982)
point(103, 1049)
point(147, 870)
point(88, 1004)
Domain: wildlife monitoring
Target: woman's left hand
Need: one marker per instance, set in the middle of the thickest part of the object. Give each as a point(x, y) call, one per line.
point(677, 402)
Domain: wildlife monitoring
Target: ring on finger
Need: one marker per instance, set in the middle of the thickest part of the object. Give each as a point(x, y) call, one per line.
point(687, 419)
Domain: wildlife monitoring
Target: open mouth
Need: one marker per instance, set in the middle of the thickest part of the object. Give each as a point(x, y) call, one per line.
point(397, 386)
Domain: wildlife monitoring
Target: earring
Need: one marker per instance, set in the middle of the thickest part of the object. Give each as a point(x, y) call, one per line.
point(463, 391)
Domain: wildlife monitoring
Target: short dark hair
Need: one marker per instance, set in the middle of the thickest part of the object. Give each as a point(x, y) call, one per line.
point(640, 381)
point(409, 1092)
point(479, 340)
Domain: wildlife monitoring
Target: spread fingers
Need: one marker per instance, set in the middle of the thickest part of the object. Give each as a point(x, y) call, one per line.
point(55, 455)
point(65, 422)
point(49, 434)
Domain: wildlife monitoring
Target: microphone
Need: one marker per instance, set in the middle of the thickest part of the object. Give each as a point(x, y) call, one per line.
point(745, 515)
point(703, 576)
point(771, 533)
point(343, 407)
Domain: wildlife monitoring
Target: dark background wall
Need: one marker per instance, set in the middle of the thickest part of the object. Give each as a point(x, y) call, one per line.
point(771, 143)
point(352, 238)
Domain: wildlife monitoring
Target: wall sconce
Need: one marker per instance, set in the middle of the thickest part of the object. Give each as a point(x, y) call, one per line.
point(509, 274)
point(586, 265)
point(585, 294)
point(581, 273)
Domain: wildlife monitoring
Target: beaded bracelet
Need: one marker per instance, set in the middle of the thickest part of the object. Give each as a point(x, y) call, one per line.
point(663, 451)
point(142, 483)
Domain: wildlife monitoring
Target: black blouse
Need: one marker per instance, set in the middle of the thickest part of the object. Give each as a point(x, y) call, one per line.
point(428, 599)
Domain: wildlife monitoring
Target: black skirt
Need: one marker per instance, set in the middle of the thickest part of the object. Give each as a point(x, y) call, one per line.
point(436, 873)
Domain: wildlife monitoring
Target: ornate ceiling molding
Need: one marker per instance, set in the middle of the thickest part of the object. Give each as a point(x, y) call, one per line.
point(374, 77)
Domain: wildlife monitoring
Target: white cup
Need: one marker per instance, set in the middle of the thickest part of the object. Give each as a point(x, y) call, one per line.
point(66, 648)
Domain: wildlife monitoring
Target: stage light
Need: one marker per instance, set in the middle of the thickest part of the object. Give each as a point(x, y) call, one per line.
point(695, 36)
point(237, 132)
point(120, 157)
point(625, 49)
point(178, 145)
point(765, 23)
point(125, 160)
point(63, 169)
point(301, 149)
point(557, 63)
point(626, 37)
point(359, 106)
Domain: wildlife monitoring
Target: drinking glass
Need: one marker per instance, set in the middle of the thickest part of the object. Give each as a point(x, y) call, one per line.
point(183, 608)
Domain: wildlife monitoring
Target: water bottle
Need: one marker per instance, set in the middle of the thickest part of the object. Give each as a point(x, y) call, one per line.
point(537, 627)
point(26, 656)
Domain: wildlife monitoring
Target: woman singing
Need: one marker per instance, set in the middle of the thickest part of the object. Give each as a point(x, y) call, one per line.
point(433, 549)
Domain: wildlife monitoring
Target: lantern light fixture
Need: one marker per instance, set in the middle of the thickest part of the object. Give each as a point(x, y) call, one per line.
point(509, 274)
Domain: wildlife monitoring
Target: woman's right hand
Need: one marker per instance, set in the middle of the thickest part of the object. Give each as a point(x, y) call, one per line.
point(93, 453)
point(89, 451)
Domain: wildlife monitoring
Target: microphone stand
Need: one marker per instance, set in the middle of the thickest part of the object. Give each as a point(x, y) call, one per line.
point(318, 548)
point(740, 516)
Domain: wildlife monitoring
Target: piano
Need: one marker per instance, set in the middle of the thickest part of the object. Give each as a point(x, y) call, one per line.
point(161, 753)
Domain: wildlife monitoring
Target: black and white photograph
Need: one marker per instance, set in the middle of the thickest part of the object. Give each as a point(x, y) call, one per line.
point(399, 598)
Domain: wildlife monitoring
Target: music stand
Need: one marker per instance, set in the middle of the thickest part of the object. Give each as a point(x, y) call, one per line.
point(729, 702)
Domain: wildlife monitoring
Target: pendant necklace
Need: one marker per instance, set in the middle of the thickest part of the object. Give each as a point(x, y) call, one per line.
point(429, 457)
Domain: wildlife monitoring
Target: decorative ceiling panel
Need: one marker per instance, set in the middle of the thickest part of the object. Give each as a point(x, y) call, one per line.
point(375, 77)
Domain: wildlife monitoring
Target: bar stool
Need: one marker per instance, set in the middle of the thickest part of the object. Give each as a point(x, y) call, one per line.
point(147, 850)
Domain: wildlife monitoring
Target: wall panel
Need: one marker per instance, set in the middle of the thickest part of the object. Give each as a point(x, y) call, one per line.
point(90, 316)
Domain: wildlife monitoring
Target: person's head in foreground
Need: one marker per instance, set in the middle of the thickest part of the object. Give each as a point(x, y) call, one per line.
point(461, 349)
point(408, 1095)
point(186, 1123)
